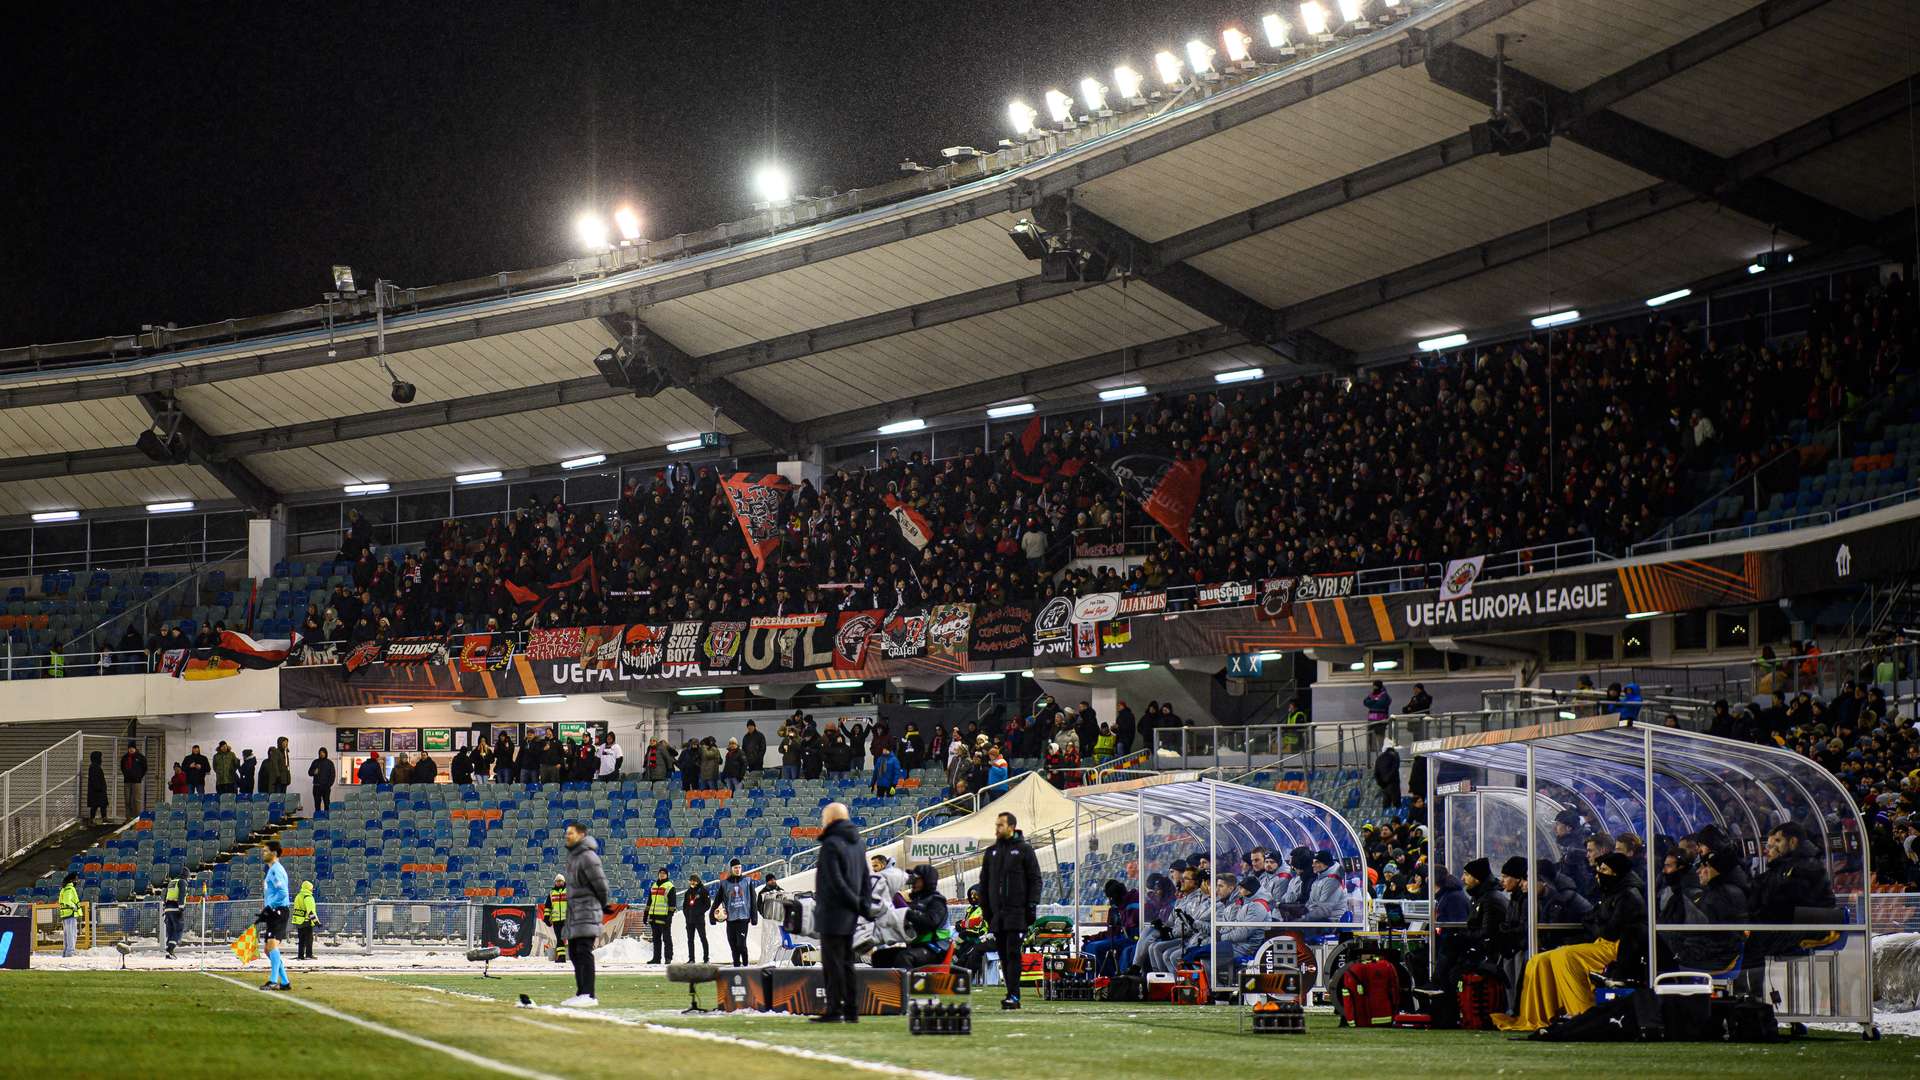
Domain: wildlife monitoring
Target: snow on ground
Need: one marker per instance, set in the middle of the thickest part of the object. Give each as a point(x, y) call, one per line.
point(625, 955)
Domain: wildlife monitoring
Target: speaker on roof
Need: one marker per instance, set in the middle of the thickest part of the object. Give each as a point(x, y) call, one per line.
point(170, 450)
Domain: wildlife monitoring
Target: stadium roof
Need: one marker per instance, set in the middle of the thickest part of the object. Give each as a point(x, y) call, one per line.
point(1310, 216)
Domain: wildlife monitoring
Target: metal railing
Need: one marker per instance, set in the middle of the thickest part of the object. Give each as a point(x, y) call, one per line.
point(210, 926)
point(47, 793)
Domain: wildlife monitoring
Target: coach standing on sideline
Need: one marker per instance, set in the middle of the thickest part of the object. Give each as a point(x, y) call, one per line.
point(587, 901)
point(840, 898)
point(1010, 897)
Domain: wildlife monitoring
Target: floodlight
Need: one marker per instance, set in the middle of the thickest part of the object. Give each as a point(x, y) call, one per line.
point(1447, 341)
point(1237, 44)
point(980, 676)
point(700, 691)
point(1669, 297)
point(1755, 268)
point(1030, 239)
point(592, 231)
point(1200, 56)
point(1131, 665)
point(169, 507)
point(1060, 107)
point(486, 477)
point(343, 279)
point(1242, 375)
point(684, 445)
point(901, 427)
point(1556, 319)
point(1001, 412)
point(838, 684)
point(628, 221)
point(1313, 16)
point(1126, 83)
point(1022, 115)
point(583, 462)
point(1122, 393)
point(56, 515)
point(773, 184)
point(375, 488)
point(1351, 12)
point(1168, 65)
point(1092, 94)
point(1276, 30)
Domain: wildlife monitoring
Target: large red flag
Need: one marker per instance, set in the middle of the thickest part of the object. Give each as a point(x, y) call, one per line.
point(1168, 489)
point(915, 529)
point(755, 500)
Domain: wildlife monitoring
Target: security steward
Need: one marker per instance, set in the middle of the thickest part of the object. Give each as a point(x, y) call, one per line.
point(661, 904)
point(173, 910)
point(69, 914)
point(306, 915)
point(557, 916)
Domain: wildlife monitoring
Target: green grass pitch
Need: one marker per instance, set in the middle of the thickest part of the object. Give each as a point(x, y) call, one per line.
point(144, 1024)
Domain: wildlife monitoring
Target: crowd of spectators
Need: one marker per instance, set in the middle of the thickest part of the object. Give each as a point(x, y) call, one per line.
point(1588, 433)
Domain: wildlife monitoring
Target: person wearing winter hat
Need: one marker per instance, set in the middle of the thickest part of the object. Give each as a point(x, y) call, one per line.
point(1327, 896)
point(1465, 947)
point(1559, 982)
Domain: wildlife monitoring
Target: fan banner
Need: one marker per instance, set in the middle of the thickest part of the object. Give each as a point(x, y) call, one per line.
point(1457, 582)
point(1167, 489)
point(756, 500)
point(915, 529)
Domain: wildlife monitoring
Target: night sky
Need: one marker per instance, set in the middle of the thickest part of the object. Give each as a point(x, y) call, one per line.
point(190, 164)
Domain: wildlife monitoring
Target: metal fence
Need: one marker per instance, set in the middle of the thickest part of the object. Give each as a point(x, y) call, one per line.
point(48, 792)
point(210, 927)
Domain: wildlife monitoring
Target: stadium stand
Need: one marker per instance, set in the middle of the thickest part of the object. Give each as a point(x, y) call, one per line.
point(187, 832)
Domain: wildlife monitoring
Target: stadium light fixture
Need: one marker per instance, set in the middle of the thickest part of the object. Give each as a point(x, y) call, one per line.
point(1568, 714)
point(1276, 29)
point(1027, 674)
point(1238, 45)
point(1122, 393)
point(1086, 669)
point(583, 462)
point(592, 231)
point(1093, 94)
point(169, 507)
point(1357, 665)
point(1755, 268)
point(375, 488)
point(1385, 665)
point(1269, 656)
point(241, 715)
point(1059, 107)
point(773, 183)
point(46, 516)
point(543, 699)
point(1668, 297)
point(1200, 57)
point(479, 477)
point(1354, 14)
point(981, 676)
point(1167, 66)
point(1558, 318)
point(901, 427)
point(684, 445)
point(1001, 412)
point(1022, 115)
point(1126, 83)
point(1446, 341)
point(1644, 614)
point(627, 220)
point(701, 691)
point(1242, 375)
point(1313, 16)
point(1134, 665)
point(838, 684)
point(377, 710)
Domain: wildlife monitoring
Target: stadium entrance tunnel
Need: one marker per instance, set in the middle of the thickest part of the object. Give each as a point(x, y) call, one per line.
point(1150, 824)
point(1601, 777)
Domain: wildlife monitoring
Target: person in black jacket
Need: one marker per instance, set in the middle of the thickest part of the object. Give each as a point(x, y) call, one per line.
point(754, 745)
point(841, 899)
point(1463, 948)
point(322, 773)
point(96, 786)
point(695, 903)
point(1558, 982)
point(1124, 727)
point(425, 770)
point(249, 765)
point(196, 766)
point(369, 773)
point(690, 765)
point(1620, 915)
point(1010, 898)
point(1794, 880)
point(1720, 900)
point(926, 920)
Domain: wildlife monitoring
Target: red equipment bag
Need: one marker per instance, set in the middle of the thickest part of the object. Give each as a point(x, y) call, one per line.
point(1369, 993)
point(1480, 996)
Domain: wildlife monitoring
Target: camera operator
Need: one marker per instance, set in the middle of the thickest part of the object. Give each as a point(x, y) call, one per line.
point(840, 894)
point(926, 919)
point(1010, 895)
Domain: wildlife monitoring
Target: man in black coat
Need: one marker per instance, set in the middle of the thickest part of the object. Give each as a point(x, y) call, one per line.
point(1463, 948)
point(1386, 774)
point(840, 899)
point(1795, 879)
point(322, 772)
point(196, 767)
point(1010, 898)
point(754, 746)
point(1124, 727)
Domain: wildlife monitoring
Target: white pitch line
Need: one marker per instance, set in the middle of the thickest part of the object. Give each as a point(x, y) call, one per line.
point(541, 1024)
point(455, 1052)
point(755, 1044)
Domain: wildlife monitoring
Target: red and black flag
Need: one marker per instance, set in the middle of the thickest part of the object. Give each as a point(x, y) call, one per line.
point(1168, 489)
point(1034, 467)
point(531, 600)
point(756, 501)
point(915, 529)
